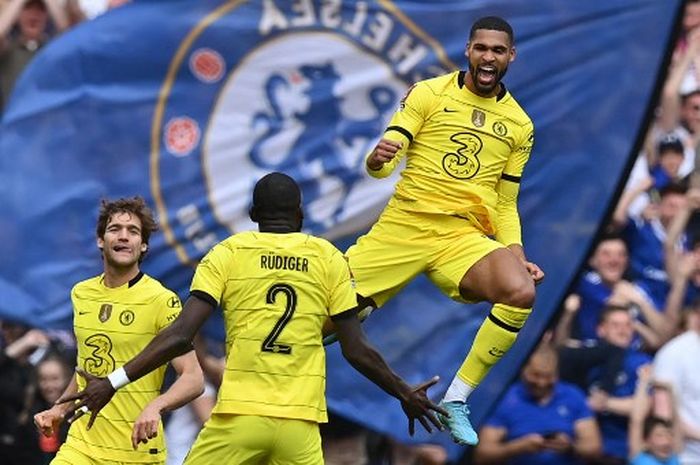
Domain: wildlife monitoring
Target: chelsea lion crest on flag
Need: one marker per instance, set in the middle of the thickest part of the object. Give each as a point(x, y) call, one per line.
point(240, 102)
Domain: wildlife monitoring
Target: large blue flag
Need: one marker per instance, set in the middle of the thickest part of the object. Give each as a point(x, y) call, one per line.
point(189, 102)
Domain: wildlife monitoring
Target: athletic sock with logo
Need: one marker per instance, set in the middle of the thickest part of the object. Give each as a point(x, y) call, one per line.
point(495, 336)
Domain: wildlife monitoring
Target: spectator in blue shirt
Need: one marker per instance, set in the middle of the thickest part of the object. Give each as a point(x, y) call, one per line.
point(645, 238)
point(608, 264)
point(540, 420)
point(613, 408)
point(670, 158)
point(604, 285)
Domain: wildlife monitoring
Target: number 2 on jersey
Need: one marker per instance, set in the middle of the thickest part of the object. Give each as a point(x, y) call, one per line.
point(269, 344)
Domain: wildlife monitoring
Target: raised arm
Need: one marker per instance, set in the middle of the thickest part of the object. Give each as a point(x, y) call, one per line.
point(405, 124)
point(629, 293)
point(676, 229)
point(671, 94)
point(58, 14)
point(641, 404)
point(9, 13)
point(620, 216)
point(562, 331)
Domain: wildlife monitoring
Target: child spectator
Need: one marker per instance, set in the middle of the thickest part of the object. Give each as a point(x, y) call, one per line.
point(652, 440)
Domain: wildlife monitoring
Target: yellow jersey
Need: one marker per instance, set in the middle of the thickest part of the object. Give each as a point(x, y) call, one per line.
point(464, 153)
point(112, 325)
point(276, 291)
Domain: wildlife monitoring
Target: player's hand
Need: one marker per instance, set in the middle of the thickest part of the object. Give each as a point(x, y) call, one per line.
point(417, 405)
point(97, 393)
point(146, 426)
point(383, 152)
point(535, 271)
point(48, 421)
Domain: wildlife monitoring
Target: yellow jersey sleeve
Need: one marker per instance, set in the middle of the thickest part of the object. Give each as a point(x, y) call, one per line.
point(404, 125)
point(170, 307)
point(507, 217)
point(211, 273)
point(342, 295)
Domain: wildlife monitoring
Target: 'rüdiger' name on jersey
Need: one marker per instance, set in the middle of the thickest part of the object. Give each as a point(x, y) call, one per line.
point(276, 291)
point(284, 262)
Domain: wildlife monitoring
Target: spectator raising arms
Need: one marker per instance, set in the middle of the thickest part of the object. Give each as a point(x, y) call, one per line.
point(31, 18)
point(652, 440)
point(676, 364)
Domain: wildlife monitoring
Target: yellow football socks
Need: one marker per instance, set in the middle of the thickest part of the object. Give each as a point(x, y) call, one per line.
point(495, 336)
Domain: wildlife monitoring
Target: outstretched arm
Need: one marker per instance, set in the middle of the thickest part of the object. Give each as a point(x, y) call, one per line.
point(365, 359)
point(173, 341)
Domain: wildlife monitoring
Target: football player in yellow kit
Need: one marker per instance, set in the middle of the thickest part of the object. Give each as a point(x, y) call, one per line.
point(453, 215)
point(115, 315)
point(277, 287)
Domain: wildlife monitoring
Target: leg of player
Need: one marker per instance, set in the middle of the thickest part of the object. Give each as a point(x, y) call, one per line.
point(501, 278)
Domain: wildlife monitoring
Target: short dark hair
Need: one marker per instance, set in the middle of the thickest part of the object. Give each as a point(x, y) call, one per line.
point(39, 3)
point(275, 195)
point(610, 235)
point(678, 188)
point(492, 23)
point(686, 96)
point(609, 310)
point(134, 205)
point(652, 422)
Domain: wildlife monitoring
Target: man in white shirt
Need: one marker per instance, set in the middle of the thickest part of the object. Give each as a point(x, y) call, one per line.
point(676, 364)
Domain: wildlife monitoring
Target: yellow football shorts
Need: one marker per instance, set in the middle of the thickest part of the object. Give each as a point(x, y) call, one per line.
point(248, 440)
point(402, 244)
point(69, 455)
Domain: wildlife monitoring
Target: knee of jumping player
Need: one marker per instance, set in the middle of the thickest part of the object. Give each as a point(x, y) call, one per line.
point(520, 293)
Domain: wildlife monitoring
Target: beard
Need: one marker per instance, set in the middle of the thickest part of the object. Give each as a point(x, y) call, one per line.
point(486, 89)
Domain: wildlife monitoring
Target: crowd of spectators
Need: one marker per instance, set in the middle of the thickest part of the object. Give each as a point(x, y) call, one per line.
point(27, 25)
point(621, 357)
point(615, 381)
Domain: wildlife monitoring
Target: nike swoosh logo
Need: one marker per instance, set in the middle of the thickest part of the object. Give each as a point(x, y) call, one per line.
point(83, 313)
point(447, 110)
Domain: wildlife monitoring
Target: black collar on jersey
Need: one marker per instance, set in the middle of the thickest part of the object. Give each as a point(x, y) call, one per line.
point(501, 93)
point(136, 279)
